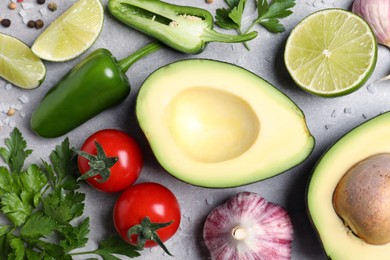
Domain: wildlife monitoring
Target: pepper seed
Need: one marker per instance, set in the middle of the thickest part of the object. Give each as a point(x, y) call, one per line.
point(41, 2)
point(52, 6)
point(31, 24)
point(6, 22)
point(39, 24)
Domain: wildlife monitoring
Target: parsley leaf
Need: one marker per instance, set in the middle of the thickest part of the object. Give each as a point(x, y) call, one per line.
point(230, 18)
point(38, 225)
point(42, 204)
point(77, 235)
point(64, 206)
point(115, 245)
point(268, 15)
point(16, 153)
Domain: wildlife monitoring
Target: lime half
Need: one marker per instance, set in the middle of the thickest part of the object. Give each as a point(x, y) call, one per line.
point(72, 33)
point(331, 52)
point(18, 64)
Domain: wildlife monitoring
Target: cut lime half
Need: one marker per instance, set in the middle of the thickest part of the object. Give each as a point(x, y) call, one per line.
point(331, 52)
point(18, 64)
point(72, 33)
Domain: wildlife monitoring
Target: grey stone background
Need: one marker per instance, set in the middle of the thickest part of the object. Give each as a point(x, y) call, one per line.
point(328, 120)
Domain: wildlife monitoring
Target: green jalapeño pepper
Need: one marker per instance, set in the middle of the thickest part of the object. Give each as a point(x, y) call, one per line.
point(97, 83)
point(186, 29)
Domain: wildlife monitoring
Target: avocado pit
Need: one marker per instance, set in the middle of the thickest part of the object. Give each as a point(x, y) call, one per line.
point(212, 125)
point(362, 199)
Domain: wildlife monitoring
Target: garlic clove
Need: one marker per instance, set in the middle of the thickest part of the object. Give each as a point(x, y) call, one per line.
point(377, 14)
point(248, 227)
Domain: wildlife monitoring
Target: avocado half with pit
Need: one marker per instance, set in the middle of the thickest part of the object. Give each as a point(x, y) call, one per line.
point(214, 124)
point(349, 191)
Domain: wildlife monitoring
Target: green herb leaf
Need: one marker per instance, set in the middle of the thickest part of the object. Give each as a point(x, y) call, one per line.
point(223, 20)
point(8, 182)
point(64, 206)
point(63, 171)
point(236, 13)
point(230, 18)
point(16, 153)
point(33, 180)
point(115, 245)
point(75, 237)
point(38, 225)
point(18, 248)
point(273, 25)
point(269, 14)
point(15, 209)
point(5, 248)
point(232, 3)
point(42, 203)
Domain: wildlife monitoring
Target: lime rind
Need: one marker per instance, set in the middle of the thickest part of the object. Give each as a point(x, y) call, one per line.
point(19, 65)
point(72, 33)
point(331, 53)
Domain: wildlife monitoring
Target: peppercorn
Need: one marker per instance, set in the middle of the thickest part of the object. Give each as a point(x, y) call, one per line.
point(52, 6)
point(39, 24)
point(12, 6)
point(6, 22)
point(41, 2)
point(11, 112)
point(31, 24)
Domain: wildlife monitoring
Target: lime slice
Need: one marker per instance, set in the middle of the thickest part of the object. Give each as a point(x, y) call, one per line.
point(331, 52)
point(18, 64)
point(72, 33)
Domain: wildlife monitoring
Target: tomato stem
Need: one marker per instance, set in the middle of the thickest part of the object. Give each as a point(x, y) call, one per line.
point(99, 164)
point(147, 231)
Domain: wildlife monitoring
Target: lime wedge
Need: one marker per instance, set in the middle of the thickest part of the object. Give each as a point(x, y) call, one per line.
point(72, 33)
point(18, 64)
point(331, 52)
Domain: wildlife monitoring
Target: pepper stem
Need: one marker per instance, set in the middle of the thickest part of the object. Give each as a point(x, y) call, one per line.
point(126, 63)
point(211, 35)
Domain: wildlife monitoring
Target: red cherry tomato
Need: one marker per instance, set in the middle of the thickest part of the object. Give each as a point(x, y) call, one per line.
point(146, 200)
point(116, 144)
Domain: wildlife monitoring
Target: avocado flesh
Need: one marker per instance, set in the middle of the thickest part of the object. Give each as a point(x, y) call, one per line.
point(214, 124)
point(368, 139)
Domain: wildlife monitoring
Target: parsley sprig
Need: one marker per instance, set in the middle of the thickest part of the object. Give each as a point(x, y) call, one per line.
point(268, 15)
point(40, 203)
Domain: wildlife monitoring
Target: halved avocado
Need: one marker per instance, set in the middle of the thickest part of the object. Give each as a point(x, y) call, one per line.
point(369, 139)
point(214, 124)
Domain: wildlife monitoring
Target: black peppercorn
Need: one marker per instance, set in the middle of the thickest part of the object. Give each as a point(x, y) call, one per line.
point(52, 6)
point(41, 2)
point(6, 22)
point(39, 24)
point(31, 24)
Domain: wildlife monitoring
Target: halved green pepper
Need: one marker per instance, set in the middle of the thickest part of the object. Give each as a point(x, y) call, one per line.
point(184, 28)
point(95, 84)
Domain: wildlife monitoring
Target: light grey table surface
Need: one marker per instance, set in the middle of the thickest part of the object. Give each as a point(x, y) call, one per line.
point(328, 120)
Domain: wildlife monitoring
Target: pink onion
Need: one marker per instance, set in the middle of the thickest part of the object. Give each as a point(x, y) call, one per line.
point(248, 227)
point(377, 15)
